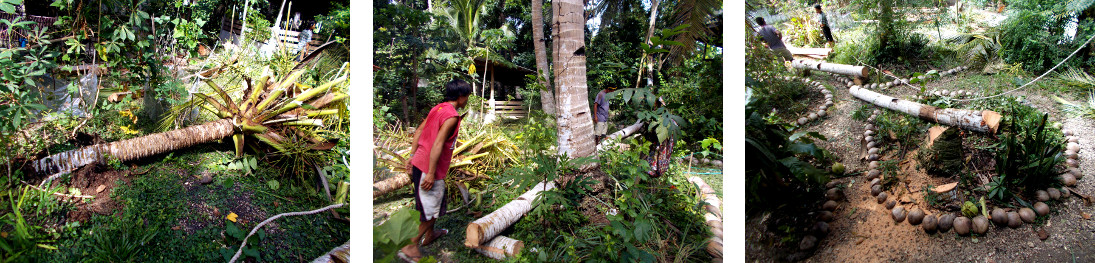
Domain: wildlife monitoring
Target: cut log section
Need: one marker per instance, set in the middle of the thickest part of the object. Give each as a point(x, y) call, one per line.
point(713, 216)
point(975, 120)
point(489, 226)
point(501, 247)
point(391, 184)
point(338, 254)
point(857, 71)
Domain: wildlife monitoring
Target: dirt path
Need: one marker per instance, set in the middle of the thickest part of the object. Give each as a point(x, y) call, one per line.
point(864, 232)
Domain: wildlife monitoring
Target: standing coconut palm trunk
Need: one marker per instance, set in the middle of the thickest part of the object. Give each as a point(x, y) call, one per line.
point(547, 96)
point(270, 111)
point(575, 123)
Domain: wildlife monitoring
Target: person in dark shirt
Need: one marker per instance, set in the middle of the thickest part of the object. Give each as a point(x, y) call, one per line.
point(821, 18)
point(773, 39)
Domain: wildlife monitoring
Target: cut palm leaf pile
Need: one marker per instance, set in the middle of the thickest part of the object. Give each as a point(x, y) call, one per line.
point(485, 150)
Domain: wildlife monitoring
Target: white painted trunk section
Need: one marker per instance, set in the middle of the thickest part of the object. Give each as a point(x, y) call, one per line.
point(490, 226)
point(575, 124)
point(713, 215)
point(975, 120)
point(501, 247)
point(616, 136)
point(390, 184)
point(858, 71)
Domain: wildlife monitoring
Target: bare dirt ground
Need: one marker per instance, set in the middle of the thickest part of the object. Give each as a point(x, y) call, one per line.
point(863, 231)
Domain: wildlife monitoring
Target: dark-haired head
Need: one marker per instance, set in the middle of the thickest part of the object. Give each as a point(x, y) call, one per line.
point(760, 21)
point(817, 6)
point(457, 91)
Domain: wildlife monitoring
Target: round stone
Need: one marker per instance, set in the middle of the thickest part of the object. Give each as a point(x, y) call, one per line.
point(1027, 215)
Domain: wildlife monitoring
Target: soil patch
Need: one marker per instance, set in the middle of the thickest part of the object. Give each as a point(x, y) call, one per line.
point(98, 181)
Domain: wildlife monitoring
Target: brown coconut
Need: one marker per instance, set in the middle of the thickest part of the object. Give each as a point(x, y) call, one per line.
point(962, 225)
point(930, 225)
point(916, 216)
point(1065, 193)
point(872, 165)
point(833, 194)
point(873, 173)
point(1054, 193)
point(808, 243)
point(999, 217)
point(825, 216)
point(891, 204)
point(1041, 195)
point(898, 214)
point(1027, 215)
point(981, 225)
point(881, 197)
point(876, 189)
point(829, 205)
point(946, 222)
point(820, 228)
point(1067, 179)
point(1041, 208)
point(1013, 220)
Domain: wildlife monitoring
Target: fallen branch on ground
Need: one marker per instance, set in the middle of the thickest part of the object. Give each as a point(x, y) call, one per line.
point(268, 220)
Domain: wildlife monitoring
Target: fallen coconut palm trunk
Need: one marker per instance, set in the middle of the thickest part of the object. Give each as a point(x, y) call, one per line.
point(713, 216)
point(338, 254)
point(975, 120)
point(858, 71)
point(489, 226)
point(391, 184)
point(136, 148)
point(622, 133)
point(501, 247)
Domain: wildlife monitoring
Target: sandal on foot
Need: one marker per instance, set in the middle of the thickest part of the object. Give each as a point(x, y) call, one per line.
point(408, 259)
point(434, 238)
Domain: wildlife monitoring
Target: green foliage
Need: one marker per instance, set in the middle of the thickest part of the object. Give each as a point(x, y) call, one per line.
point(1034, 34)
point(1029, 151)
point(538, 134)
point(245, 164)
point(234, 233)
point(123, 244)
point(393, 234)
point(24, 237)
point(778, 163)
point(945, 156)
point(336, 22)
point(804, 32)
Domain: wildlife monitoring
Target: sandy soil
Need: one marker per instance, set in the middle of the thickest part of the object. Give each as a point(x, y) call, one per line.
point(863, 231)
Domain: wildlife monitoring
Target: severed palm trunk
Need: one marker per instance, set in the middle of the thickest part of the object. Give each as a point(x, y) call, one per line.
point(547, 98)
point(501, 247)
point(391, 184)
point(574, 120)
point(713, 215)
point(488, 227)
point(982, 121)
point(135, 148)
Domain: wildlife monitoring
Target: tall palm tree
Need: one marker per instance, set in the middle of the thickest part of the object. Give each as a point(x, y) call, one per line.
point(269, 111)
point(547, 96)
point(575, 125)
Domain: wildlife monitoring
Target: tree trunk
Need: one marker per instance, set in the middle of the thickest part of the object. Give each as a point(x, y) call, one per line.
point(574, 120)
point(858, 71)
point(391, 184)
point(626, 131)
point(547, 97)
point(136, 148)
point(338, 254)
point(713, 215)
point(489, 226)
point(501, 247)
point(981, 121)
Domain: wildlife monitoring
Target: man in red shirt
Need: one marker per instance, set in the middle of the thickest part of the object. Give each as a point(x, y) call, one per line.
point(432, 152)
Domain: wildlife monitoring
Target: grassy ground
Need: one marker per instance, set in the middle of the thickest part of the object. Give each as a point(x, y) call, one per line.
point(167, 215)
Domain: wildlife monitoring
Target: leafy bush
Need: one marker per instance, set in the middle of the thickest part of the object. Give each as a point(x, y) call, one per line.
point(804, 32)
point(1035, 34)
point(778, 163)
